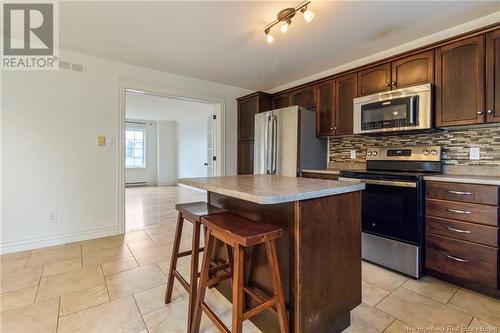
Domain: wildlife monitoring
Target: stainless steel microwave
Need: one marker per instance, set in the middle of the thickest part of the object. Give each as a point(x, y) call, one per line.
point(406, 109)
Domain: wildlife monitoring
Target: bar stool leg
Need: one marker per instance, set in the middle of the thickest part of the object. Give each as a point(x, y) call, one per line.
point(209, 243)
point(238, 265)
point(278, 290)
point(173, 259)
point(193, 283)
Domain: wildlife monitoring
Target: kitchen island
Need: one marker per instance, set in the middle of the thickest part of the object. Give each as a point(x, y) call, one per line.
point(319, 254)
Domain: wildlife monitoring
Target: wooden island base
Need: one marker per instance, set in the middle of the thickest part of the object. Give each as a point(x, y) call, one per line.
point(319, 257)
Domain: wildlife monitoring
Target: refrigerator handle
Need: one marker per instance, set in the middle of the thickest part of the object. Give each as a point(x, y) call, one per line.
point(268, 146)
point(275, 145)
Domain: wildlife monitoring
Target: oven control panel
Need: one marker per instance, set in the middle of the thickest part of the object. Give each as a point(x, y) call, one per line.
point(417, 153)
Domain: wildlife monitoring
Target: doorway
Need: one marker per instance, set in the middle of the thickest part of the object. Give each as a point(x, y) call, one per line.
point(164, 138)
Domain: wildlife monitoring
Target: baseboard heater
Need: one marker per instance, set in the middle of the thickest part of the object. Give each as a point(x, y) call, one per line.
point(136, 184)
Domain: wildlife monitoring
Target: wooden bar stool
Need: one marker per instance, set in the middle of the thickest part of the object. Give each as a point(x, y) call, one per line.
point(193, 212)
point(239, 233)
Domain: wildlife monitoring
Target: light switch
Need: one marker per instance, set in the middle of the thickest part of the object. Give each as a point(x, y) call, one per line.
point(101, 140)
point(353, 154)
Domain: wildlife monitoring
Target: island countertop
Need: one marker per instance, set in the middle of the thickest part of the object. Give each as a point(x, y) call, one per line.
point(270, 189)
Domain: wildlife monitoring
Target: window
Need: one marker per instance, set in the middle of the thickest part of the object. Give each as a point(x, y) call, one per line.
point(134, 148)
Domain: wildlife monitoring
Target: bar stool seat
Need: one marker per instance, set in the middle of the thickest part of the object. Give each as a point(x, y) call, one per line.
point(193, 212)
point(239, 233)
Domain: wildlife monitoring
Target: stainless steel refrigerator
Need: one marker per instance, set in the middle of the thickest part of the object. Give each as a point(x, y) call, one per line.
point(286, 143)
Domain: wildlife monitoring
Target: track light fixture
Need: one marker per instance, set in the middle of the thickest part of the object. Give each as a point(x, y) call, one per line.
point(285, 18)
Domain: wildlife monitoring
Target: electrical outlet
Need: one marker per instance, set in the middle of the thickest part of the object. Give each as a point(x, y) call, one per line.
point(52, 218)
point(353, 154)
point(474, 153)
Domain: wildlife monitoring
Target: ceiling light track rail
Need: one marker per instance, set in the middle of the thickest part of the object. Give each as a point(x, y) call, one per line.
point(285, 17)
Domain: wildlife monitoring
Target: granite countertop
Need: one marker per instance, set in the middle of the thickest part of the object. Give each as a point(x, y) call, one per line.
point(268, 189)
point(483, 180)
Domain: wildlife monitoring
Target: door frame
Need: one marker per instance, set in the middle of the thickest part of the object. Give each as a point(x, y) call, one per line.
point(219, 108)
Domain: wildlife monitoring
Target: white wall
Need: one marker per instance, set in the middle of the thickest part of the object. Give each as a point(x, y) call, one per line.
point(148, 174)
point(168, 152)
point(50, 160)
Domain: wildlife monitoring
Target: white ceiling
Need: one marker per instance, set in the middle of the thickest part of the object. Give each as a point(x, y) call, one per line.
point(150, 107)
point(224, 41)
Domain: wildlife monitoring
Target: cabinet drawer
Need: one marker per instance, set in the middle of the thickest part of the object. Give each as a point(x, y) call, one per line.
point(481, 194)
point(471, 232)
point(464, 260)
point(462, 211)
point(311, 175)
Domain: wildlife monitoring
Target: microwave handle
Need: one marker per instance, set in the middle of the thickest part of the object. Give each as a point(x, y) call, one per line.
point(413, 108)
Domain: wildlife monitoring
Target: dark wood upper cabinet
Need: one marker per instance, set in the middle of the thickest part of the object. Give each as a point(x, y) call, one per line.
point(413, 70)
point(460, 83)
point(374, 79)
point(493, 76)
point(281, 101)
point(325, 102)
point(248, 107)
point(304, 97)
point(345, 92)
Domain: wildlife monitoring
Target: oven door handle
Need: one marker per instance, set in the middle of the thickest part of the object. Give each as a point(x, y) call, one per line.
point(378, 182)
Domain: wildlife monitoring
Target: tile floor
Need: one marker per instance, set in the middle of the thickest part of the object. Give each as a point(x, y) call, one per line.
point(117, 284)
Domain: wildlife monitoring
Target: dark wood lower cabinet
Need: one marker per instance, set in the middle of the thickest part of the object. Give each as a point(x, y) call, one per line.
point(462, 238)
point(320, 271)
point(465, 260)
point(318, 175)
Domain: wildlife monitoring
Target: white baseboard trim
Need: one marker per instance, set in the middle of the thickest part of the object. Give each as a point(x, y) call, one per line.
point(57, 240)
point(167, 184)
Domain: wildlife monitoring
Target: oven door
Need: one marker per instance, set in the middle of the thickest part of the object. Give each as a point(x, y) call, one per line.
point(391, 209)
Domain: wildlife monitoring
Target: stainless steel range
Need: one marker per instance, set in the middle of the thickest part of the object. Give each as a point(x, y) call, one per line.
point(393, 205)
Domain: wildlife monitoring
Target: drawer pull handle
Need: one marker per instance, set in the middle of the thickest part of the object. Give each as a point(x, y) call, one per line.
point(459, 192)
point(458, 211)
point(456, 258)
point(459, 230)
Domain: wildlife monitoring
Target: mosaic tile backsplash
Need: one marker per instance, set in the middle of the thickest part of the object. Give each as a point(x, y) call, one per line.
point(455, 145)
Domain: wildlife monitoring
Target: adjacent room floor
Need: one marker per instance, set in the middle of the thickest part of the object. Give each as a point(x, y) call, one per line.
point(117, 284)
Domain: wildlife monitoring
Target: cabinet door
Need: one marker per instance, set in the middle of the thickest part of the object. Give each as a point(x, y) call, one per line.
point(281, 101)
point(247, 109)
point(345, 92)
point(374, 79)
point(460, 88)
point(245, 157)
point(304, 97)
point(493, 76)
point(325, 99)
point(413, 70)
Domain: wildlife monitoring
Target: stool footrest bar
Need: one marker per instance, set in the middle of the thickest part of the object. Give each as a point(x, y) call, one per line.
point(183, 281)
point(259, 308)
point(258, 297)
point(220, 325)
point(217, 279)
